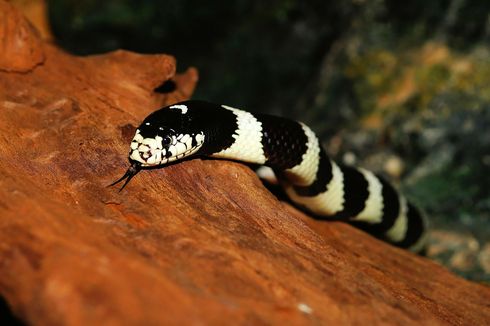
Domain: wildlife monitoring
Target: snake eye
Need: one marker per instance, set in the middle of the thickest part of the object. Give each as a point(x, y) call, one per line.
point(167, 140)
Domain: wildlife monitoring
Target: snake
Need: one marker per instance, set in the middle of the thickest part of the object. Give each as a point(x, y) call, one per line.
point(312, 180)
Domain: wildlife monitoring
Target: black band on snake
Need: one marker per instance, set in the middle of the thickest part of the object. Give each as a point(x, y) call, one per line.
point(308, 176)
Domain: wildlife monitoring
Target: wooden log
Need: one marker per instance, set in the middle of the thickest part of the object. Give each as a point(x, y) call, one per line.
point(198, 242)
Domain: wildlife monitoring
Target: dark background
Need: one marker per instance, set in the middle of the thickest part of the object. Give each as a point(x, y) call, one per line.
point(400, 88)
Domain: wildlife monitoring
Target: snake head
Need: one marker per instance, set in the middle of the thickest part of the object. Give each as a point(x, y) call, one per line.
point(166, 135)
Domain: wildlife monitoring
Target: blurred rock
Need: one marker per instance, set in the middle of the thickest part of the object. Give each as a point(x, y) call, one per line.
point(461, 251)
point(394, 166)
point(447, 241)
point(349, 158)
point(463, 260)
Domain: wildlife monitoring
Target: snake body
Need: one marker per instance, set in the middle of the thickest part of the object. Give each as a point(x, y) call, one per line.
point(311, 179)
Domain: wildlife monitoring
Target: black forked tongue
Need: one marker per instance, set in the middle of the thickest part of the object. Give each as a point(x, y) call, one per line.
point(130, 173)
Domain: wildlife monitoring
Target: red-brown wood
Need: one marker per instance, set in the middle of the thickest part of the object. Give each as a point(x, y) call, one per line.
point(198, 242)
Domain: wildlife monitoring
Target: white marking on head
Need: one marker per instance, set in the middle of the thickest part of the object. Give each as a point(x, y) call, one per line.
point(188, 143)
point(137, 137)
point(152, 159)
point(151, 151)
point(135, 155)
point(180, 148)
point(151, 142)
point(183, 108)
point(159, 142)
point(158, 156)
point(199, 138)
point(172, 150)
point(185, 138)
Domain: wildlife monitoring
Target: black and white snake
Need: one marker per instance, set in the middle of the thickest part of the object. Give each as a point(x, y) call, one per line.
point(308, 176)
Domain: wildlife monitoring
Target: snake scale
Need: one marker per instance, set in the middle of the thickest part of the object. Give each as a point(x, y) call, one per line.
point(312, 180)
